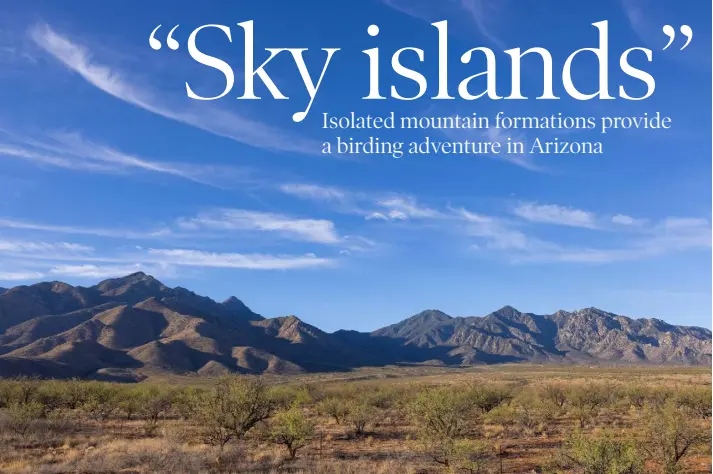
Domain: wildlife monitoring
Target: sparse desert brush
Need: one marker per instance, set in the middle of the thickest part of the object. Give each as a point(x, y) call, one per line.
point(360, 416)
point(438, 421)
point(102, 401)
point(696, 400)
point(587, 400)
point(556, 393)
point(533, 411)
point(486, 398)
point(671, 434)
point(233, 407)
point(445, 411)
point(22, 416)
point(286, 396)
point(153, 404)
point(598, 454)
point(291, 429)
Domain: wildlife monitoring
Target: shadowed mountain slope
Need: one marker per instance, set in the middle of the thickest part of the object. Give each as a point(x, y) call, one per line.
point(135, 325)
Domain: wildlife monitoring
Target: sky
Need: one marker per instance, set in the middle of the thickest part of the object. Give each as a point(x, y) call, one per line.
point(108, 168)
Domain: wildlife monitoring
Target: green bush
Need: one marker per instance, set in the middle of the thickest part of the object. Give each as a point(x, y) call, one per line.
point(102, 400)
point(291, 429)
point(670, 436)
point(587, 400)
point(696, 400)
point(600, 455)
point(233, 407)
point(22, 416)
point(360, 416)
point(334, 407)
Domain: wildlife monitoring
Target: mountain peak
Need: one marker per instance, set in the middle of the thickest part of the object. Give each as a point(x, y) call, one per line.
point(234, 302)
point(431, 315)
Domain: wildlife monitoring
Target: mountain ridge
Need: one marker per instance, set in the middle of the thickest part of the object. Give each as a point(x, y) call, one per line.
point(136, 325)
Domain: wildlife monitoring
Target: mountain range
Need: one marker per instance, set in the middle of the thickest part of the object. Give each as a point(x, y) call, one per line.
point(130, 327)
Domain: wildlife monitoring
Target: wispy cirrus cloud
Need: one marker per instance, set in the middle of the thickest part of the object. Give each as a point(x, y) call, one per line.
point(93, 271)
point(483, 16)
point(647, 17)
point(81, 230)
point(78, 58)
point(314, 192)
point(73, 151)
point(21, 275)
point(256, 261)
point(311, 230)
point(555, 214)
point(41, 248)
point(624, 220)
point(35, 261)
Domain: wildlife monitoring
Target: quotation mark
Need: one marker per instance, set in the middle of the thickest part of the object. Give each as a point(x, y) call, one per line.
point(156, 44)
point(671, 33)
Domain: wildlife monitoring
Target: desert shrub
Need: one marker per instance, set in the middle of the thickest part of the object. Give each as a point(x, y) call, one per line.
point(486, 398)
point(51, 395)
point(286, 396)
point(470, 456)
point(102, 401)
point(183, 400)
point(334, 407)
point(231, 408)
point(637, 395)
point(76, 393)
point(556, 393)
point(445, 411)
point(6, 393)
point(291, 429)
point(696, 400)
point(442, 416)
point(22, 416)
point(153, 403)
point(27, 387)
point(587, 400)
point(130, 402)
point(533, 411)
point(62, 421)
point(670, 435)
point(360, 416)
point(599, 455)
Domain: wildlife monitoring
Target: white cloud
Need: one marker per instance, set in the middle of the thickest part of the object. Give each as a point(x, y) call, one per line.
point(206, 117)
point(72, 151)
point(20, 275)
point(310, 230)
point(498, 234)
point(622, 219)
point(39, 248)
point(104, 271)
point(79, 230)
point(406, 207)
point(236, 260)
point(314, 192)
point(376, 216)
point(646, 17)
point(554, 214)
point(481, 14)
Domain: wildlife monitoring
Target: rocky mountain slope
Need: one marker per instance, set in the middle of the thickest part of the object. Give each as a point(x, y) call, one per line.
point(127, 327)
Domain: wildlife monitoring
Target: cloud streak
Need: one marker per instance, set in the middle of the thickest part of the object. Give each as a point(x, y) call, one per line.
point(78, 58)
point(554, 214)
point(481, 14)
point(72, 151)
point(310, 230)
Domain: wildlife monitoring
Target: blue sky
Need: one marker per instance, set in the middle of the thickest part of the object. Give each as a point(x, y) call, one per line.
point(108, 168)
